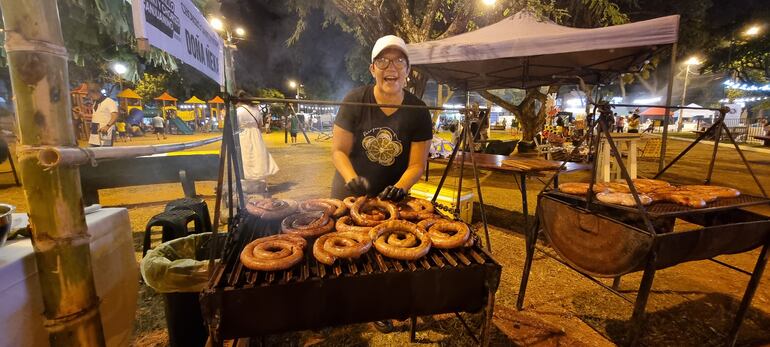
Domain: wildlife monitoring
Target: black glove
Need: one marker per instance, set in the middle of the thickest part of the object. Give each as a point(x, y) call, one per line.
point(392, 193)
point(358, 185)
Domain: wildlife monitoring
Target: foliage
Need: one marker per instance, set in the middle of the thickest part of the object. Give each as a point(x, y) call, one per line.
point(278, 108)
point(419, 21)
point(269, 93)
point(151, 86)
point(729, 49)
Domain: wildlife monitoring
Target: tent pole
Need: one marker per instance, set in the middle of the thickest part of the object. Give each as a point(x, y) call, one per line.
point(670, 87)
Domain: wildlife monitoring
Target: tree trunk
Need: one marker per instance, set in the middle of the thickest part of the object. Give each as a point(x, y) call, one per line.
point(530, 112)
point(37, 61)
point(441, 99)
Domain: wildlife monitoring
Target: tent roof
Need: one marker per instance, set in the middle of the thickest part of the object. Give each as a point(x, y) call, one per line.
point(521, 52)
point(194, 100)
point(216, 100)
point(655, 111)
point(128, 93)
point(166, 97)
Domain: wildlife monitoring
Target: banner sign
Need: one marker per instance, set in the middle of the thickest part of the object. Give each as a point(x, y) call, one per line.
point(178, 28)
point(735, 111)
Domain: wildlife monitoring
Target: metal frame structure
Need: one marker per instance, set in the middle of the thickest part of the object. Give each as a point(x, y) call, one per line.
point(229, 159)
point(604, 122)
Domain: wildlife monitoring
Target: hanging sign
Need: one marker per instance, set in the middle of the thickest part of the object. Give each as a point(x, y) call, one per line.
point(735, 111)
point(178, 28)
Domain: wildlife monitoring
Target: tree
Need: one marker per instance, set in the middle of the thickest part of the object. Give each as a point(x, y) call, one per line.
point(728, 48)
point(418, 21)
point(269, 109)
point(151, 85)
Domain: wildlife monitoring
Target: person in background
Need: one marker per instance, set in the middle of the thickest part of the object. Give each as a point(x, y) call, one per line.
point(633, 124)
point(159, 125)
point(619, 123)
point(293, 128)
point(122, 133)
point(258, 163)
point(104, 117)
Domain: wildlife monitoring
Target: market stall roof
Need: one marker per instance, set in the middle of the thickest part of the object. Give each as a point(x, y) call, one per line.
point(128, 93)
point(81, 89)
point(194, 100)
point(216, 100)
point(166, 97)
point(522, 51)
point(655, 112)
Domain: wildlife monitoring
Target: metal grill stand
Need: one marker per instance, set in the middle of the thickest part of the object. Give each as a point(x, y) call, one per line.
point(312, 295)
point(727, 230)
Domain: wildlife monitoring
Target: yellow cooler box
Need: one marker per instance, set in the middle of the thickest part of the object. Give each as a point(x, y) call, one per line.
point(448, 197)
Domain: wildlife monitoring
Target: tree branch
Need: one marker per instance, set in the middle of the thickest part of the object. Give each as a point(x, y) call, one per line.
point(500, 102)
point(427, 22)
point(460, 22)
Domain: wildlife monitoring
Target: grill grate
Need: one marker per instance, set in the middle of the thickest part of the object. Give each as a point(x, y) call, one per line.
point(234, 275)
point(667, 209)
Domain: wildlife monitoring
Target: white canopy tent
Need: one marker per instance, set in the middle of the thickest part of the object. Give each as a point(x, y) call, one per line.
point(522, 51)
point(690, 113)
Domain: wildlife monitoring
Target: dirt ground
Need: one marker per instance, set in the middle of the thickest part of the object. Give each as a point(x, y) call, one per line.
point(691, 304)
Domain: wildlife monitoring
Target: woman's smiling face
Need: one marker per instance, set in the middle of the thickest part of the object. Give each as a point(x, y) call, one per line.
point(392, 78)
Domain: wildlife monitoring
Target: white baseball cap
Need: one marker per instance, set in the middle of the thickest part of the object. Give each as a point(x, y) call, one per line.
point(389, 41)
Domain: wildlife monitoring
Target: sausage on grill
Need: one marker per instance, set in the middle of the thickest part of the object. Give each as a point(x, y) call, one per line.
point(382, 232)
point(273, 253)
point(271, 209)
point(344, 244)
point(360, 219)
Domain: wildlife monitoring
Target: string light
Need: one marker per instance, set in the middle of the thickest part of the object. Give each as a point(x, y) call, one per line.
point(743, 86)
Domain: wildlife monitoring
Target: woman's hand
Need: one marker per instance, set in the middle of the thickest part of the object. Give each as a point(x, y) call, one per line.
point(392, 193)
point(358, 185)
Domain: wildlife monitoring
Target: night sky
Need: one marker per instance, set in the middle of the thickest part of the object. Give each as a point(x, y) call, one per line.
point(264, 61)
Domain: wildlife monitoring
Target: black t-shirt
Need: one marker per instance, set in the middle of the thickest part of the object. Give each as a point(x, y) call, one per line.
point(381, 143)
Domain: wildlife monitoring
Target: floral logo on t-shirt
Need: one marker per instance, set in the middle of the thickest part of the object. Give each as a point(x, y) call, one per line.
point(382, 148)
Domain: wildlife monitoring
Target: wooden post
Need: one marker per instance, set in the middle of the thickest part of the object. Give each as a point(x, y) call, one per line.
point(37, 61)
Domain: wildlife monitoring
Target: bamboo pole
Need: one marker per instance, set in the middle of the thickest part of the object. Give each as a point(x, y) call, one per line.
point(37, 61)
point(50, 157)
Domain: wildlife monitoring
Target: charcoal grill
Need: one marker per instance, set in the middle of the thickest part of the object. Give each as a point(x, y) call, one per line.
point(239, 302)
point(606, 240)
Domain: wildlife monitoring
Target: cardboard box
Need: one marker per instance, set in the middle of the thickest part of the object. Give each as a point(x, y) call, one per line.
point(448, 197)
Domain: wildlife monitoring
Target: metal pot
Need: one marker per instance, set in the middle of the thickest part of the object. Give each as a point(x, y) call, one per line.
point(6, 213)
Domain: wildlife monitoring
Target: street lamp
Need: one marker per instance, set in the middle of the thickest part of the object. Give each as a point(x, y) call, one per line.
point(752, 31)
point(217, 24)
point(688, 63)
point(119, 69)
point(220, 25)
point(489, 2)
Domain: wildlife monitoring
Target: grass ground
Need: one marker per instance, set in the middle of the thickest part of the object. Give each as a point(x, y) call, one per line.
point(692, 304)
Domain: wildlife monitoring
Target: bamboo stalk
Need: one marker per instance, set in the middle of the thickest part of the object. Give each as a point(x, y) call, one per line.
point(50, 157)
point(37, 61)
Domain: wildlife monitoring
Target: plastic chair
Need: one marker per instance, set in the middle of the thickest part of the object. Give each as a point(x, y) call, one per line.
point(198, 206)
point(174, 225)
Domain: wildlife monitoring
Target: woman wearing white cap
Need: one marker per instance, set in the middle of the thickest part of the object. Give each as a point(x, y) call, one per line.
point(381, 150)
